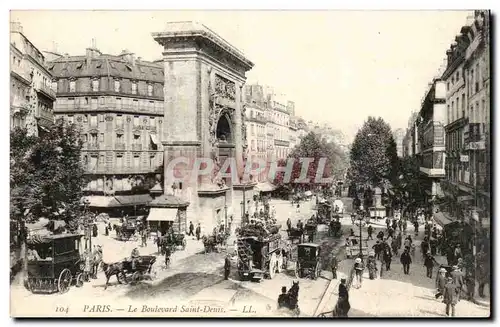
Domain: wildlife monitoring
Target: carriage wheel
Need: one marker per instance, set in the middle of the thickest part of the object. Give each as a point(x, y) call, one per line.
point(122, 278)
point(272, 266)
point(64, 281)
point(316, 272)
point(184, 242)
point(136, 277)
point(297, 270)
point(79, 280)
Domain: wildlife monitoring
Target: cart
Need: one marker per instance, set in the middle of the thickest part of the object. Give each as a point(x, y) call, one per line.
point(260, 257)
point(323, 212)
point(352, 250)
point(295, 234)
point(128, 229)
point(144, 269)
point(54, 263)
point(310, 230)
point(173, 241)
point(308, 259)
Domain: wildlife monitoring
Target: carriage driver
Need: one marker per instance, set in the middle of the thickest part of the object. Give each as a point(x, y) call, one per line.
point(134, 256)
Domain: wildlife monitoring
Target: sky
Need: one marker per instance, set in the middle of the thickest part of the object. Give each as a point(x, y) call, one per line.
point(338, 66)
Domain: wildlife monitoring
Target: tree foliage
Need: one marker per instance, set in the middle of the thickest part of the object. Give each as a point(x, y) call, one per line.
point(407, 192)
point(314, 147)
point(373, 156)
point(46, 174)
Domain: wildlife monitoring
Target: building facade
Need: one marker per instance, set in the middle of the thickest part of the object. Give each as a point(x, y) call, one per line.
point(31, 93)
point(278, 126)
point(117, 101)
point(431, 137)
point(398, 136)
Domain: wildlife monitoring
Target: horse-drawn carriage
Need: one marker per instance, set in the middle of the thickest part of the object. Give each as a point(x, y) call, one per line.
point(352, 249)
point(54, 263)
point(295, 234)
point(308, 261)
point(172, 240)
point(127, 230)
point(335, 228)
point(261, 257)
point(131, 270)
point(310, 229)
point(211, 243)
point(323, 212)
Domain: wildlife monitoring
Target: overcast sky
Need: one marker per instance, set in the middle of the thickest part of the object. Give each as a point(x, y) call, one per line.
point(338, 66)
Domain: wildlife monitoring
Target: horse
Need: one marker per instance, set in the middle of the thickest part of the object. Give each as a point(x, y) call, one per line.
point(292, 302)
point(113, 269)
point(210, 243)
point(96, 261)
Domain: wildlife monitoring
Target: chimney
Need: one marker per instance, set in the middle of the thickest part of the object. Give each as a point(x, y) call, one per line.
point(128, 57)
point(92, 52)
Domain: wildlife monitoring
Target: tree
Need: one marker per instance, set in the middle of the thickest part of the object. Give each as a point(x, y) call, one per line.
point(314, 147)
point(373, 156)
point(47, 176)
point(407, 192)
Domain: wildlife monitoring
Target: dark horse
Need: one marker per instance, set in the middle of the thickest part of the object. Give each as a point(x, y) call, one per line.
point(292, 298)
point(120, 269)
point(116, 269)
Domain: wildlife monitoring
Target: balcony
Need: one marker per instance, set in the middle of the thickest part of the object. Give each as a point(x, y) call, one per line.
point(136, 147)
point(46, 90)
point(120, 146)
point(21, 72)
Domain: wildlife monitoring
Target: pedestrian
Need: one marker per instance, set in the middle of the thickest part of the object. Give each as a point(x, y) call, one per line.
point(394, 224)
point(358, 271)
point(289, 223)
point(168, 253)
point(283, 298)
point(394, 246)
point(106, 230)
point(372, 265)
point(380, 235)
point(144, 237)
point(342, 308)
point(298, 207)
point(405, 226)
point(415, 225)
point(191, 229)
point(198, 232)
point(440, 282)
point(352, 233)
point(388, 222)
point(390, 232)
point(94, 230)
point(377, 247)
point(406, 261)
point(227, 266)
point(450, 296)
point(400, 225)
point(458, 279)
point(334, 265)
point(429, 263)
point(424, 247)
point(300, 225)
point(457, 253)
point(387, 256)
point(370, 232)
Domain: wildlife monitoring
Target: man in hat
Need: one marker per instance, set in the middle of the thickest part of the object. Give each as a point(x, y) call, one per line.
point(227, 266)
point(441, 281)
point(334, 265)
point(358, 270)
point(370, 232)
point(450, 296)
point(406, 261)
point(429, 263)
point(198, 231)
point(377, 248)
point(134, 256)
point(458, 279)
point(372, 265)
point(191, 229)
point(342, 308)
point(283, 298)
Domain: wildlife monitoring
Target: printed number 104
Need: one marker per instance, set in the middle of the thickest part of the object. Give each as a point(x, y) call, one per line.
point(62, 309)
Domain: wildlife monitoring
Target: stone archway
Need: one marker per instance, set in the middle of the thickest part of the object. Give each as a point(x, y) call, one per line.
point(224, 130)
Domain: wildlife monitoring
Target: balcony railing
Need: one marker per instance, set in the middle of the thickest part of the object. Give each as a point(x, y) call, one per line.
point(93, 146)
point(120, 146)
point(21, 71)
point(47, 90)
point(136, 147)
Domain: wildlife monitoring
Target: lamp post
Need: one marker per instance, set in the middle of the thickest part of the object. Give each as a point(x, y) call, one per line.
point(243, 203)
point(225, 211)
point(361, 235)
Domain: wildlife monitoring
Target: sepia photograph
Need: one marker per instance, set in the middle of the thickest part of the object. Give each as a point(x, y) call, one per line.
point(250, 164)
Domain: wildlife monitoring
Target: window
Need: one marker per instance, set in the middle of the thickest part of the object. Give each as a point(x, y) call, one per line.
point(101, 137)
point(150, 90)
point(452, 110)
point(471, 84)
point(119, 138)
point(101, 160)
point(151, 106)
point(463, 106)
point(54, 86)
point(452, 80)
point(93, 162)
point(137, 139)
point(458, 76)
point(118, 103)
point(119, 120)
point(152, 121)
point(71, 119)
point(95, 85)
point(85, 138)
point(72, 86)
point(85, 118)
point(93, 120)
point(71, 103)
point(119, 161)
point(134, 88)
point(137, 161)
point(136, 121)
point(477, 79)
point(135, 104)
point(117, 86)
point(101, 118)
point(151, 161)
point(93, 138)
point(101, 101)
point(93, 103)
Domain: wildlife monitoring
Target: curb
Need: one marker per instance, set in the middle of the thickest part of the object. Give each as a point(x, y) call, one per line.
point(329, 290)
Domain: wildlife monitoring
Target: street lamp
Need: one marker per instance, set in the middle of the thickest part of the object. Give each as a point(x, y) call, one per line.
point(243, 210)
point(225, 211)
point(361, 235)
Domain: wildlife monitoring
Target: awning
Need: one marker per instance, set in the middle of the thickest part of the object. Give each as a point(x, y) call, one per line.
point(154, 139)
point(162, 214)
point(101, 201)
point(127, 200)
point(265, 187)
point(45, 129)
point(441, 219)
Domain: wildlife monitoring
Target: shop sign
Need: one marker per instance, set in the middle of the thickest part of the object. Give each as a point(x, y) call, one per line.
point(464, 158)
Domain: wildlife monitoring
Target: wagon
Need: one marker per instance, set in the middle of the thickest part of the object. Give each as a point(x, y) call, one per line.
point(127, 231)
point(260, 257)
point(54, 263)
point(144, 269)
point(295, 234)
point(308, 259)
point(172, 241)
point(310, 230)
point(352, 251)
